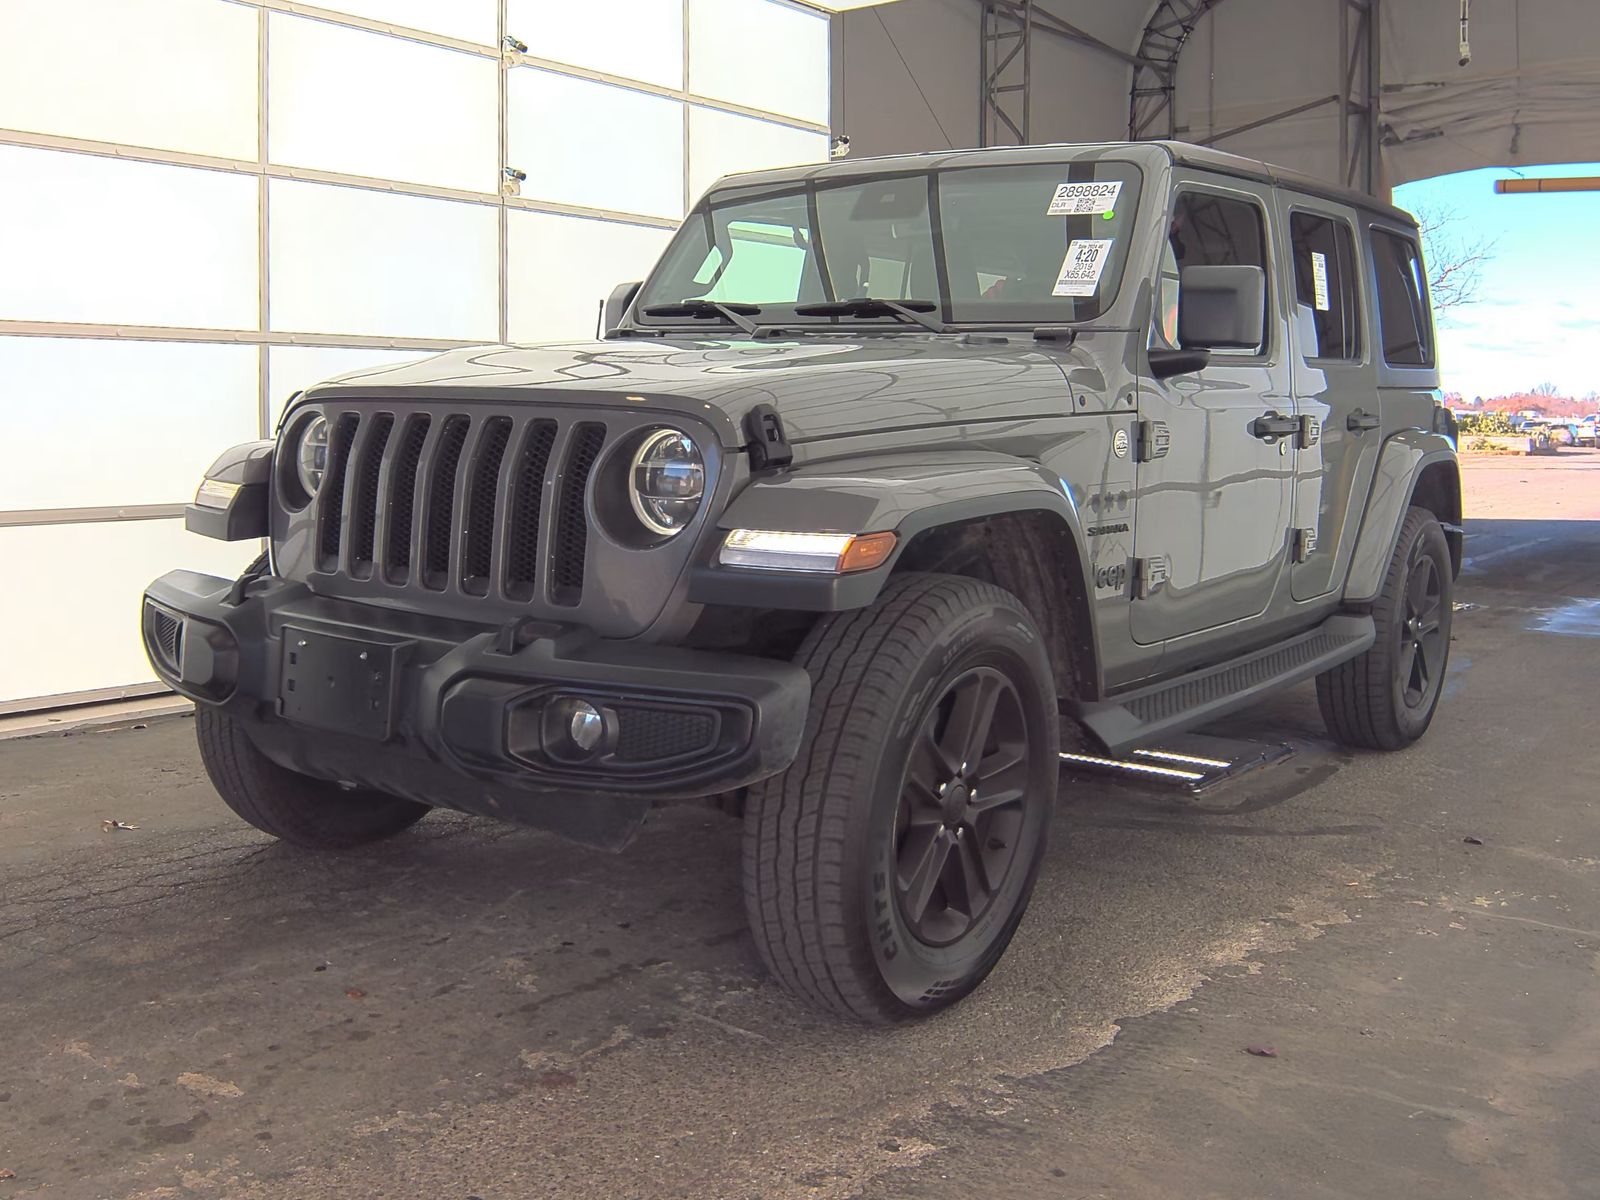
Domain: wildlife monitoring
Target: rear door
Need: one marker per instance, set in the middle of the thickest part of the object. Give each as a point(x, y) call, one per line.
point(1214, 509)
point(1335, 385)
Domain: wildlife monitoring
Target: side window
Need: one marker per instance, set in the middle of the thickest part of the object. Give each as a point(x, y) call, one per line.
point(1325, 286)
point(1402, 301)
point(1214, 231)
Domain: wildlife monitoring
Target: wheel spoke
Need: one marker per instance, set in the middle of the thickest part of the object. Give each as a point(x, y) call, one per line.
point(1002, 778)
point(1417, 587)
point(926, 770)
point(967, 730)
point(928, 853)
point(971, 878)
point(1408, 664)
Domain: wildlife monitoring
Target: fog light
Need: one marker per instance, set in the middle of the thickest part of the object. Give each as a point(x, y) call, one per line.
point(574, 728)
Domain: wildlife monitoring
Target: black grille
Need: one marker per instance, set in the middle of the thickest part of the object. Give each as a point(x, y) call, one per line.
point(572, 524)
point(364, 514)
point(479, 551)
point(464, 495)
point(441, 501)
point(168, 631)
point(652, 734)
point(332, 489)
point(527, 503)
point(403, 499)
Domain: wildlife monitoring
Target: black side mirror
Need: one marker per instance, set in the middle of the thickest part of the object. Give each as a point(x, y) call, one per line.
point(1222, 308)
point(1164, 364)
point(616, 306)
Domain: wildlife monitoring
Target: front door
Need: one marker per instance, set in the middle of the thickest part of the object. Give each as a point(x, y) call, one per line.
point(1214, 510)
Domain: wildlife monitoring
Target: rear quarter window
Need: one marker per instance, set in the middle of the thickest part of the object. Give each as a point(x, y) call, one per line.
point(1404, 323)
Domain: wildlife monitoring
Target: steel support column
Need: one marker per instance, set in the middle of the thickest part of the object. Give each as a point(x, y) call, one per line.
point(1359, 77)
point(1006, 73)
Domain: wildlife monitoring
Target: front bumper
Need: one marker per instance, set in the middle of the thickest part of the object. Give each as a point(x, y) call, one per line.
point(455, 714)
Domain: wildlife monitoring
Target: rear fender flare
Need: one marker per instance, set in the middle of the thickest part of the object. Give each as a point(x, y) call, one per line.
point(1401, 463)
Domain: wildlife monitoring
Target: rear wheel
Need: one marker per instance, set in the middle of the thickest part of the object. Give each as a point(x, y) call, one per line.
point(1385, 699)
point(886, 871)
point(317, 814)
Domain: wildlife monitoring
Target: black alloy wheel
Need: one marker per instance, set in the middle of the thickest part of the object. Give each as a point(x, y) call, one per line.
point(1422, 632)
point(961, 806)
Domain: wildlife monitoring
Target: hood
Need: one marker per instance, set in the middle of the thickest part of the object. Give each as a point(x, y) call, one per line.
point(823, 387)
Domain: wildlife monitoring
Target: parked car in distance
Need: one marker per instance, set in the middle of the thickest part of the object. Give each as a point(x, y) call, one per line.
point(1588, 431)
point(894, 475)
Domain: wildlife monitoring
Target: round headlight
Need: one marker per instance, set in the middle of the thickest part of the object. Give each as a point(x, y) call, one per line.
point(666, 481)
point(311, 455)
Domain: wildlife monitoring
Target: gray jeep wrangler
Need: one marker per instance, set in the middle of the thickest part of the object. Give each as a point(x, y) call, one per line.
point(892, 478)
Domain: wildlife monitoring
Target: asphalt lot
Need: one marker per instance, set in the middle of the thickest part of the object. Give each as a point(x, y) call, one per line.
point(474, 1010)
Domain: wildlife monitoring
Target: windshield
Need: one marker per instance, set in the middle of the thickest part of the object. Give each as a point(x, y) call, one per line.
point(996, 245)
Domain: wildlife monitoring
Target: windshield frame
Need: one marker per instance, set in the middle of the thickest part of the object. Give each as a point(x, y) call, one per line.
point(732, 192)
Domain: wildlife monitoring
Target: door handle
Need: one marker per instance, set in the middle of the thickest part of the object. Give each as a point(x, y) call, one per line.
point(1269, 427)
point(1360, 422)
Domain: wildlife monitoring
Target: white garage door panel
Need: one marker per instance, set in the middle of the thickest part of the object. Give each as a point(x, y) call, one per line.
point(562, 267)
point(77, 628)
point(721, 143)
point(130, 70)
point(596, 145)
point(88, 238)
point(349, 260)
point(143, 419)
point(760, 54)
point(468, 20)
point(292, 369)
point(364, 104)
point(643, 38)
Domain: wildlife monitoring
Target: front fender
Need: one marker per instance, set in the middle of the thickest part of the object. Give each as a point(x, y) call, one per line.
point(1404, 457)
point(906, 493)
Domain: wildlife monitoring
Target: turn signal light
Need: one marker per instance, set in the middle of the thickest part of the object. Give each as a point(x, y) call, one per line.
point(824, 553)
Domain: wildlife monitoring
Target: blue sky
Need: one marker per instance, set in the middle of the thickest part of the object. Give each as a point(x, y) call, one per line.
point(1537, 317)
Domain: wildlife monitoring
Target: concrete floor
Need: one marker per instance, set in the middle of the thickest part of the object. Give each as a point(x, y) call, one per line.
point(474, 1010)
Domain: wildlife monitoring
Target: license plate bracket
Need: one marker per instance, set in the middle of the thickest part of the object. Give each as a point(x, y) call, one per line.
point(338, 683)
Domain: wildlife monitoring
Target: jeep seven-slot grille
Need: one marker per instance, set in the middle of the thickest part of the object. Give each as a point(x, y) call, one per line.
point(454, 500)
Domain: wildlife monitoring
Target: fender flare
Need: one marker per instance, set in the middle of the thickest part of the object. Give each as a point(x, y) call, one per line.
point(1401, 462)
point(908, 494)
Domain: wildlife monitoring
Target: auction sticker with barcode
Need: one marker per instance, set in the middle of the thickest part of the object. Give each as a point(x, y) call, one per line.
point(1083, 266)
point(1319, 280)
point(1085, 199)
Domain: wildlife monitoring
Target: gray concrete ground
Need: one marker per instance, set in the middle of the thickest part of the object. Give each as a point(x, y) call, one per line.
point(474, 1010)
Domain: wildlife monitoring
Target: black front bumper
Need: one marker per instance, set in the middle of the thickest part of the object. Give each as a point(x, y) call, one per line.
point(462, 716)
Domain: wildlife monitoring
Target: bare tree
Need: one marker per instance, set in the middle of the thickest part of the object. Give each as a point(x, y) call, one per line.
point(1548, 390)
point(1456, 257)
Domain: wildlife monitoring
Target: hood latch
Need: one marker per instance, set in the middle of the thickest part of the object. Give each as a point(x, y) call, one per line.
point(767, 445)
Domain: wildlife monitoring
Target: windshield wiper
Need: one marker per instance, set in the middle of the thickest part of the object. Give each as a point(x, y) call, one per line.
point(735, 314)
point(907, 310)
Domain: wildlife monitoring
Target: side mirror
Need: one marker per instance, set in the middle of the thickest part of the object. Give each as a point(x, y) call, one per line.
point(616, 306)
point(1222, 308)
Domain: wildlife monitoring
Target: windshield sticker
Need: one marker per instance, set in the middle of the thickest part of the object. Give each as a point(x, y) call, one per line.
point(1085, 263)
point(1319, 277)
point(1085, 199)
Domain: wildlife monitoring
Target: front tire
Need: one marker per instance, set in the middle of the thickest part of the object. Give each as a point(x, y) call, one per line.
point(316, 814)
point(886, 871)
point(1385, 698)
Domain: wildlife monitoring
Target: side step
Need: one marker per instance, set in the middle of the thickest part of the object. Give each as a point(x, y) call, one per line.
point(1193, 763)
point(1148, 714)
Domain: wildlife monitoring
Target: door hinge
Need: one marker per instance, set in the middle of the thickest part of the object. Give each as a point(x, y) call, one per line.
point(1152, 440)
point(1310, 433)
point(1148, 576)
point(1305, 544)
point(767, 446)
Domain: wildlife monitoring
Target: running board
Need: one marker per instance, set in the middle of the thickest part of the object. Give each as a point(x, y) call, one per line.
point(1193, 763)
point(1144, 716)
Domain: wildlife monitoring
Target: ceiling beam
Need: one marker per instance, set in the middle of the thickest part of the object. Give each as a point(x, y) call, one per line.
point(1050, 23)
